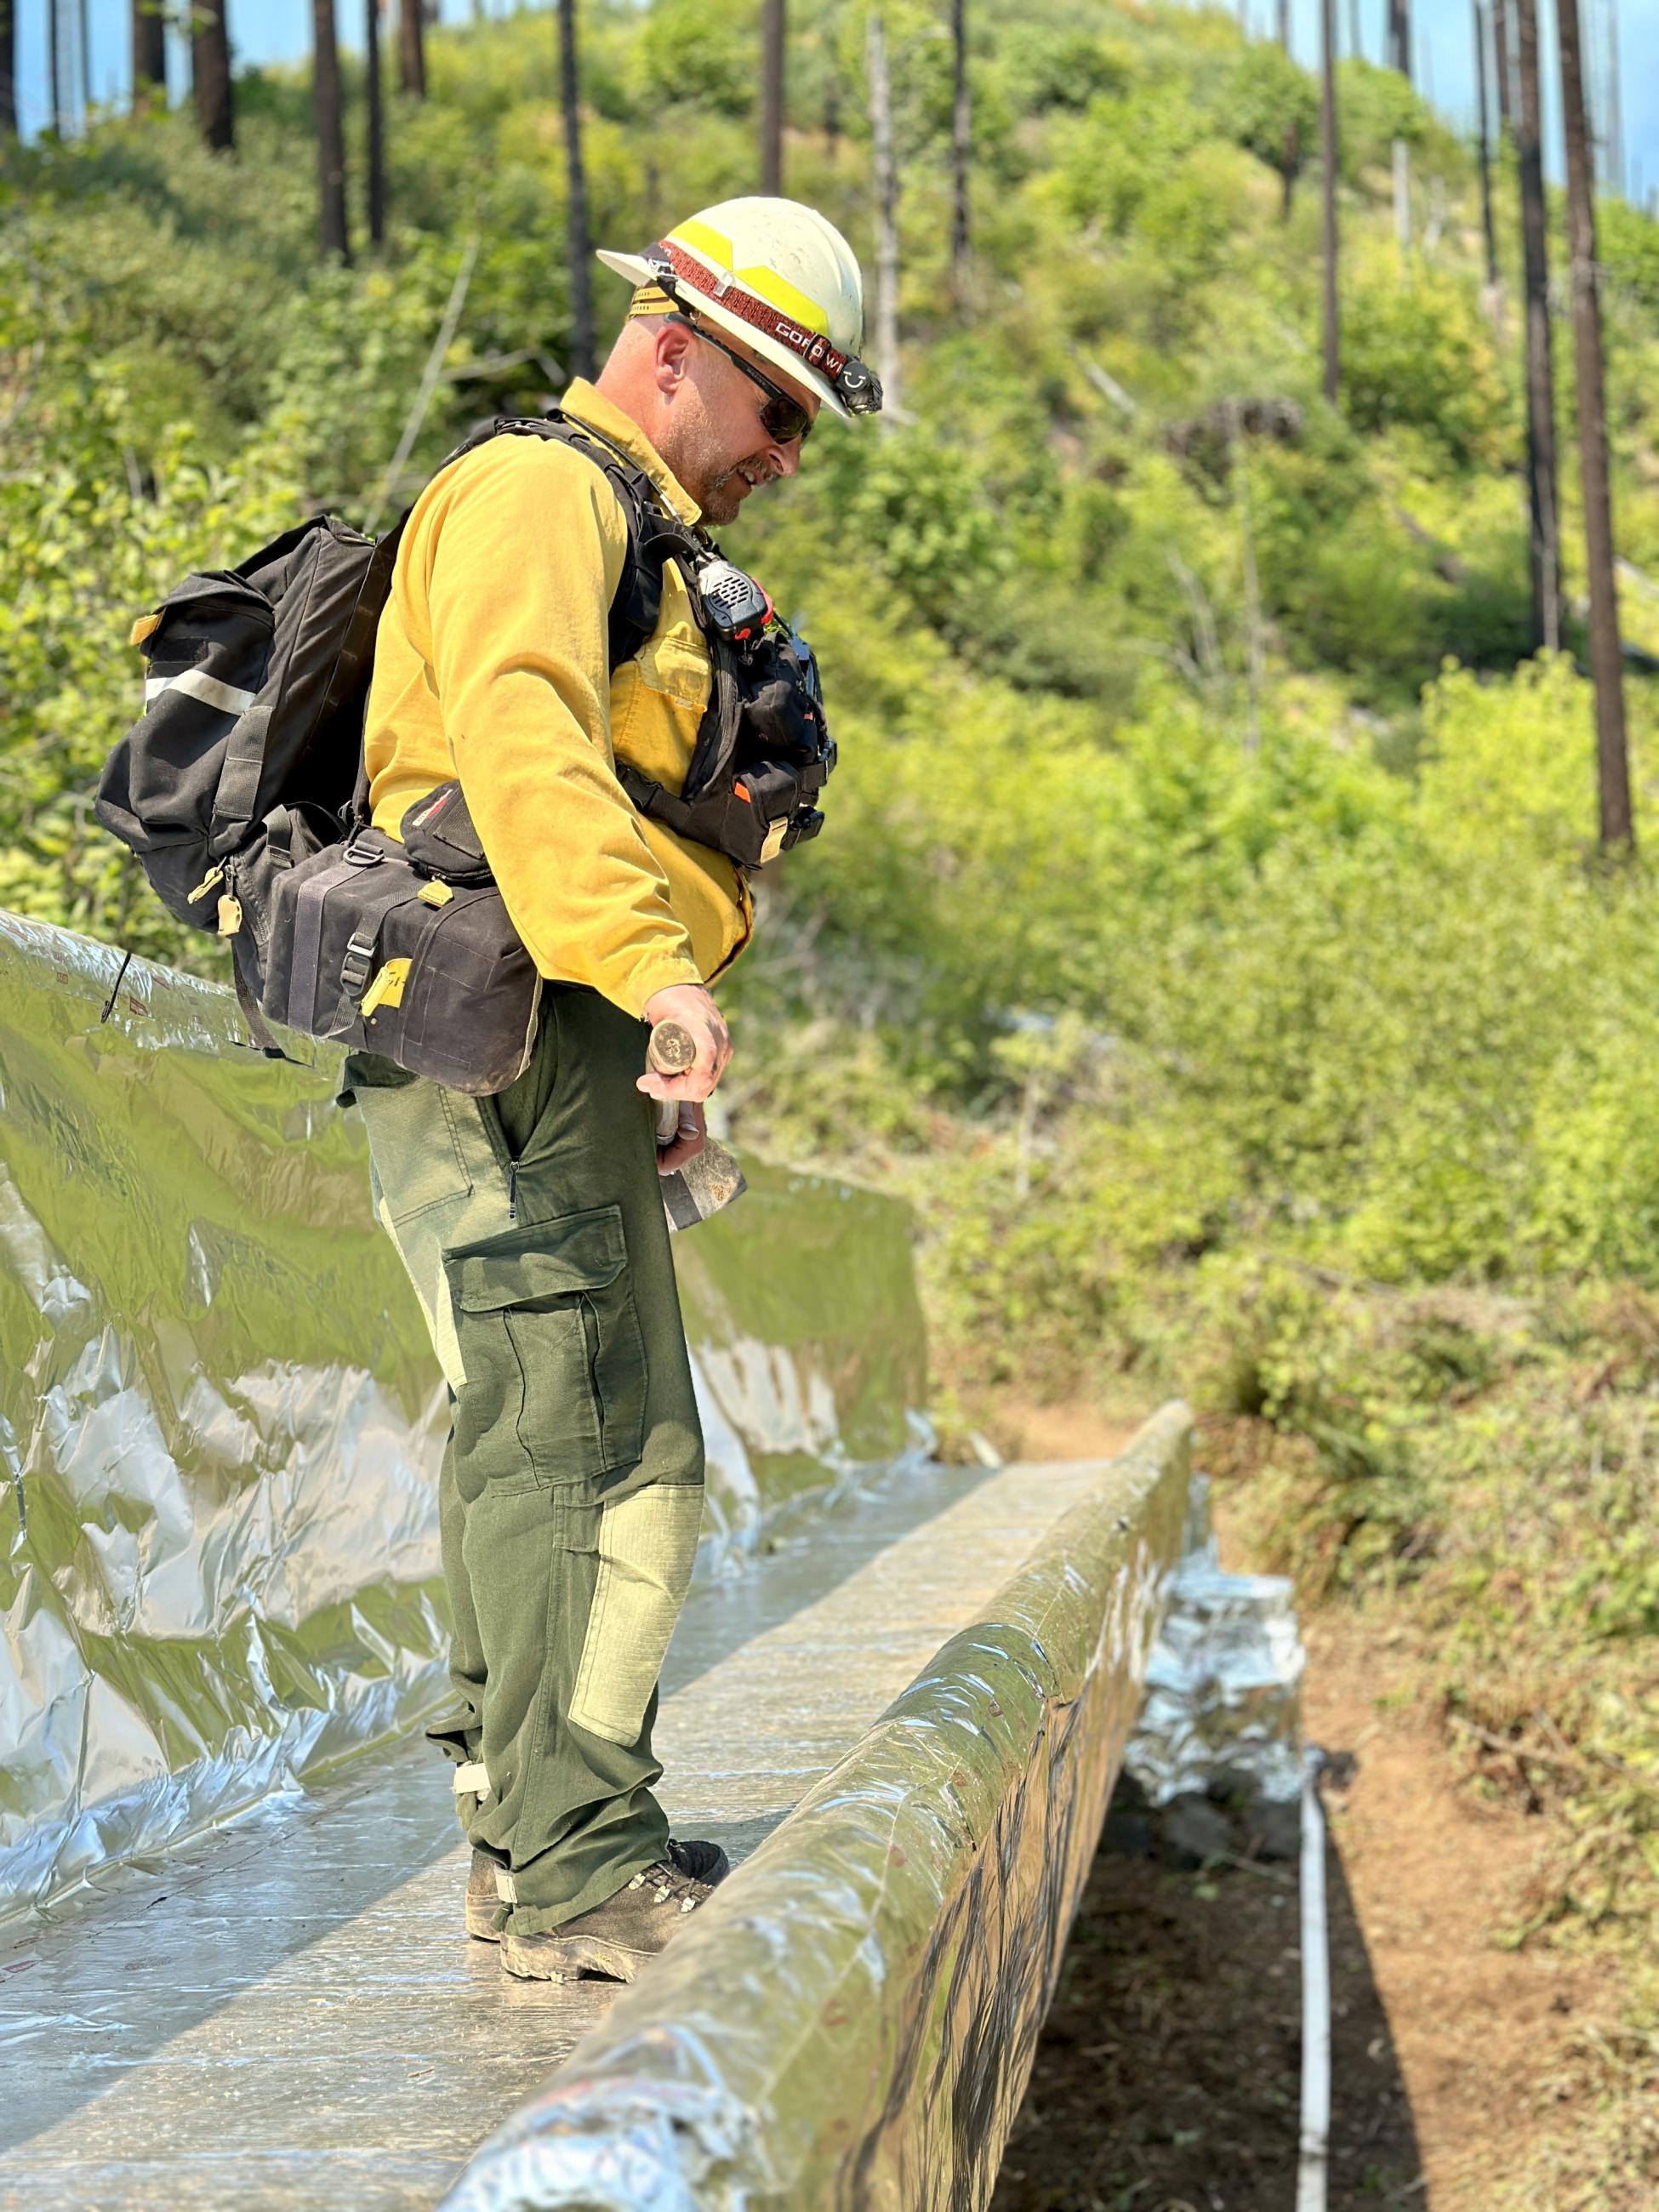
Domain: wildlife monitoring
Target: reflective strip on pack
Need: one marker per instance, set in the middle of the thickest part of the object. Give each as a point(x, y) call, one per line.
point(472, 1780)
point(506, 1888)
point(195, 683)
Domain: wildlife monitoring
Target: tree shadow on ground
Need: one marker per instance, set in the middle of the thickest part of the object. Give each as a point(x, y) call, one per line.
point(1168, 2078)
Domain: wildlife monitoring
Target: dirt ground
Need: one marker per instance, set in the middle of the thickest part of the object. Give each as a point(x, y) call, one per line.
point(1168, 2076)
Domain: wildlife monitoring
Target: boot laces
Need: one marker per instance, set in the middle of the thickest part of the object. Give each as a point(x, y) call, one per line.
point(667, 1881)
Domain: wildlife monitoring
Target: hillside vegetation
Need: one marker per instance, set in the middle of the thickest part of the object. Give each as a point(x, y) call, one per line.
point(1208, 938)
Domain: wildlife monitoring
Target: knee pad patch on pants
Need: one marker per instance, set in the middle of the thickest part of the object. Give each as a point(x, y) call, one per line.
point(647, 1545)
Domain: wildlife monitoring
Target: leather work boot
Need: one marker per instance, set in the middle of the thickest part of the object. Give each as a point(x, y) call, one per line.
point(623, 1934)
point(483, 1903)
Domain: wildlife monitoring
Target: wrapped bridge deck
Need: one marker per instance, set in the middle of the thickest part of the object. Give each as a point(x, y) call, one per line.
point(288, 2011)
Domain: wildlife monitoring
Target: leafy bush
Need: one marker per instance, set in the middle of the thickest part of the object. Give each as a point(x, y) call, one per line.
point(1416, 351)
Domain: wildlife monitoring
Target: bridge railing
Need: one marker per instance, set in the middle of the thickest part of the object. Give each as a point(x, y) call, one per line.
point(221, 1419)
point(851, 2019)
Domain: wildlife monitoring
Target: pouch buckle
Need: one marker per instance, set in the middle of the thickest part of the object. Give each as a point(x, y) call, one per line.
point(357, 966)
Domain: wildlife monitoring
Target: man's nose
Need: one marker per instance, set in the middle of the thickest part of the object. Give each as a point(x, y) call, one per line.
point(784, 461)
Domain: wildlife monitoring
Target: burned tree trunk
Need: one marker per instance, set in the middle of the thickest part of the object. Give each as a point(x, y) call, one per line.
point(1503, 69)
point(375, 207)
point(1612, 761)
point(576, 241)
point(209, 52)
point(150, 54)
point(412, 48)
point(885, 179)
point(1400, 57)
point(1614, 134)
point(1400, 37)
point(1328, 149)
point(8, 68)
point(1541, 486)
point(1484, 118)
point(330, 141)
point(961, 128)
point(772, 41)
point(55, 68)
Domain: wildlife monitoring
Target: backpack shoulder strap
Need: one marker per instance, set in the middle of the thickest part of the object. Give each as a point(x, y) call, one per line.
point(654, 536)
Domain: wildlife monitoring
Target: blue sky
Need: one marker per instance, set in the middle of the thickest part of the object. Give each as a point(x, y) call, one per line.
point(279, 30)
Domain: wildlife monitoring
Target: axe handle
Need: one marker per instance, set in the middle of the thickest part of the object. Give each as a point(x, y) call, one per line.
point(670, 1051)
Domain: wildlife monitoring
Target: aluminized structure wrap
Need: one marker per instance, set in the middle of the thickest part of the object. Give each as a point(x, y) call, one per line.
point(851, 2020)
point(220, 1417)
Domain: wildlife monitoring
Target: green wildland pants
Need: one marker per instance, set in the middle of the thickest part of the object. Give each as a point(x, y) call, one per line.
point(531, 1226)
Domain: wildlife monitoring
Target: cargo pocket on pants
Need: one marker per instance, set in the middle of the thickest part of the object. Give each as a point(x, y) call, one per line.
point(647, 1547)
point(555, 1389)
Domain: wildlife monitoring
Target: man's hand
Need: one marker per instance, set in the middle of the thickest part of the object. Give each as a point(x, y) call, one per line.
point(692, 1136)
point(691, 1005)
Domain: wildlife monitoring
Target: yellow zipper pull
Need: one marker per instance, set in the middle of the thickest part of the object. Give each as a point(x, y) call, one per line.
point(216, 874)
point(230, 916)
point(435, 893)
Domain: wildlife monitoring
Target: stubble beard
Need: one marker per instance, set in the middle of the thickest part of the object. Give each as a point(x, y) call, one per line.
point(721, 500)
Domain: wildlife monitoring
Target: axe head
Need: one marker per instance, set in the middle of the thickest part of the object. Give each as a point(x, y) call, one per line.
point(706, 1183)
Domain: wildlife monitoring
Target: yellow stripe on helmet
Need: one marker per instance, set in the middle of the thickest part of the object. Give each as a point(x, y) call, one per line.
point(708, 245)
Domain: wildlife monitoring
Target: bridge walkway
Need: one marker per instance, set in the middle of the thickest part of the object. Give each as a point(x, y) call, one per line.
point(287, 2012)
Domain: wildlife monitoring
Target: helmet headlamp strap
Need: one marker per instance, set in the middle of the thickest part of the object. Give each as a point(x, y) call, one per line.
point(857, 386)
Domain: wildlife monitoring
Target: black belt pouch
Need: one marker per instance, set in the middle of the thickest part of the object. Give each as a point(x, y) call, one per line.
point(406, 950)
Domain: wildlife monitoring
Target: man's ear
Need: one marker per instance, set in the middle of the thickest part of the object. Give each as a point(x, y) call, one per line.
point(673, 354)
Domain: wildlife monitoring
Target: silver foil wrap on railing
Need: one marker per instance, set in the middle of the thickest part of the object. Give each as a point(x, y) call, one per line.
point(220, 1417)
point(1223, 1715)
point(851, 2020)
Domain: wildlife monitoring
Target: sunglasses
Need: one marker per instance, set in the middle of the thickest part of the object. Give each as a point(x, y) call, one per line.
point(783, 417)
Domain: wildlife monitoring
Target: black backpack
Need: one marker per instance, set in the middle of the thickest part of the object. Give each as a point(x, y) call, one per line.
point(248, 757)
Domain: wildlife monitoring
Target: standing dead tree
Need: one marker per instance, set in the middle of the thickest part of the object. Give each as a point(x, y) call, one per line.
point(55, 68)
point(210, 64)
point(773, 43)
point(1327, 148)
point(331, 137)
point(8, 68)
point(1613, 140)
point(577, 246)
point(1400, 57)
point(1503, 69)
point(1611, 758)
point(150, 54)
point(375, 207)
point(1483, 147)
point(885, 179)
point(1543, 499)
point(412, 48)
point(961, 134)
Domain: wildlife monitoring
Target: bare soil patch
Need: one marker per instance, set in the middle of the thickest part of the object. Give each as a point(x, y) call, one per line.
point(1168, 2076)
point(1482, 2031)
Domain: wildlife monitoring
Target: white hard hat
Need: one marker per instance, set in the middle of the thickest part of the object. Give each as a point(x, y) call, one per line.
point(778, 276)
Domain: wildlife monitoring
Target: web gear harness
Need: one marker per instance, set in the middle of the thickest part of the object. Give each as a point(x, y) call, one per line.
point(243, 786)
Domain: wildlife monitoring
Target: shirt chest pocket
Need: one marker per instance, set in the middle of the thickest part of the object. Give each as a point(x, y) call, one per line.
point(675, 665)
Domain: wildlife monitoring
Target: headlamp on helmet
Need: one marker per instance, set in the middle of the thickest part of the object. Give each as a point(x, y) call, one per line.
point(677, 272)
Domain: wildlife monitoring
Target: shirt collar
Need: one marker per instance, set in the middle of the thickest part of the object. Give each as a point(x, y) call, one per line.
point(587, 403)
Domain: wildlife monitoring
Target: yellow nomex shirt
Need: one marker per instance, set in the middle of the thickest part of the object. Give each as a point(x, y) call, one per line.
point(492, 663)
